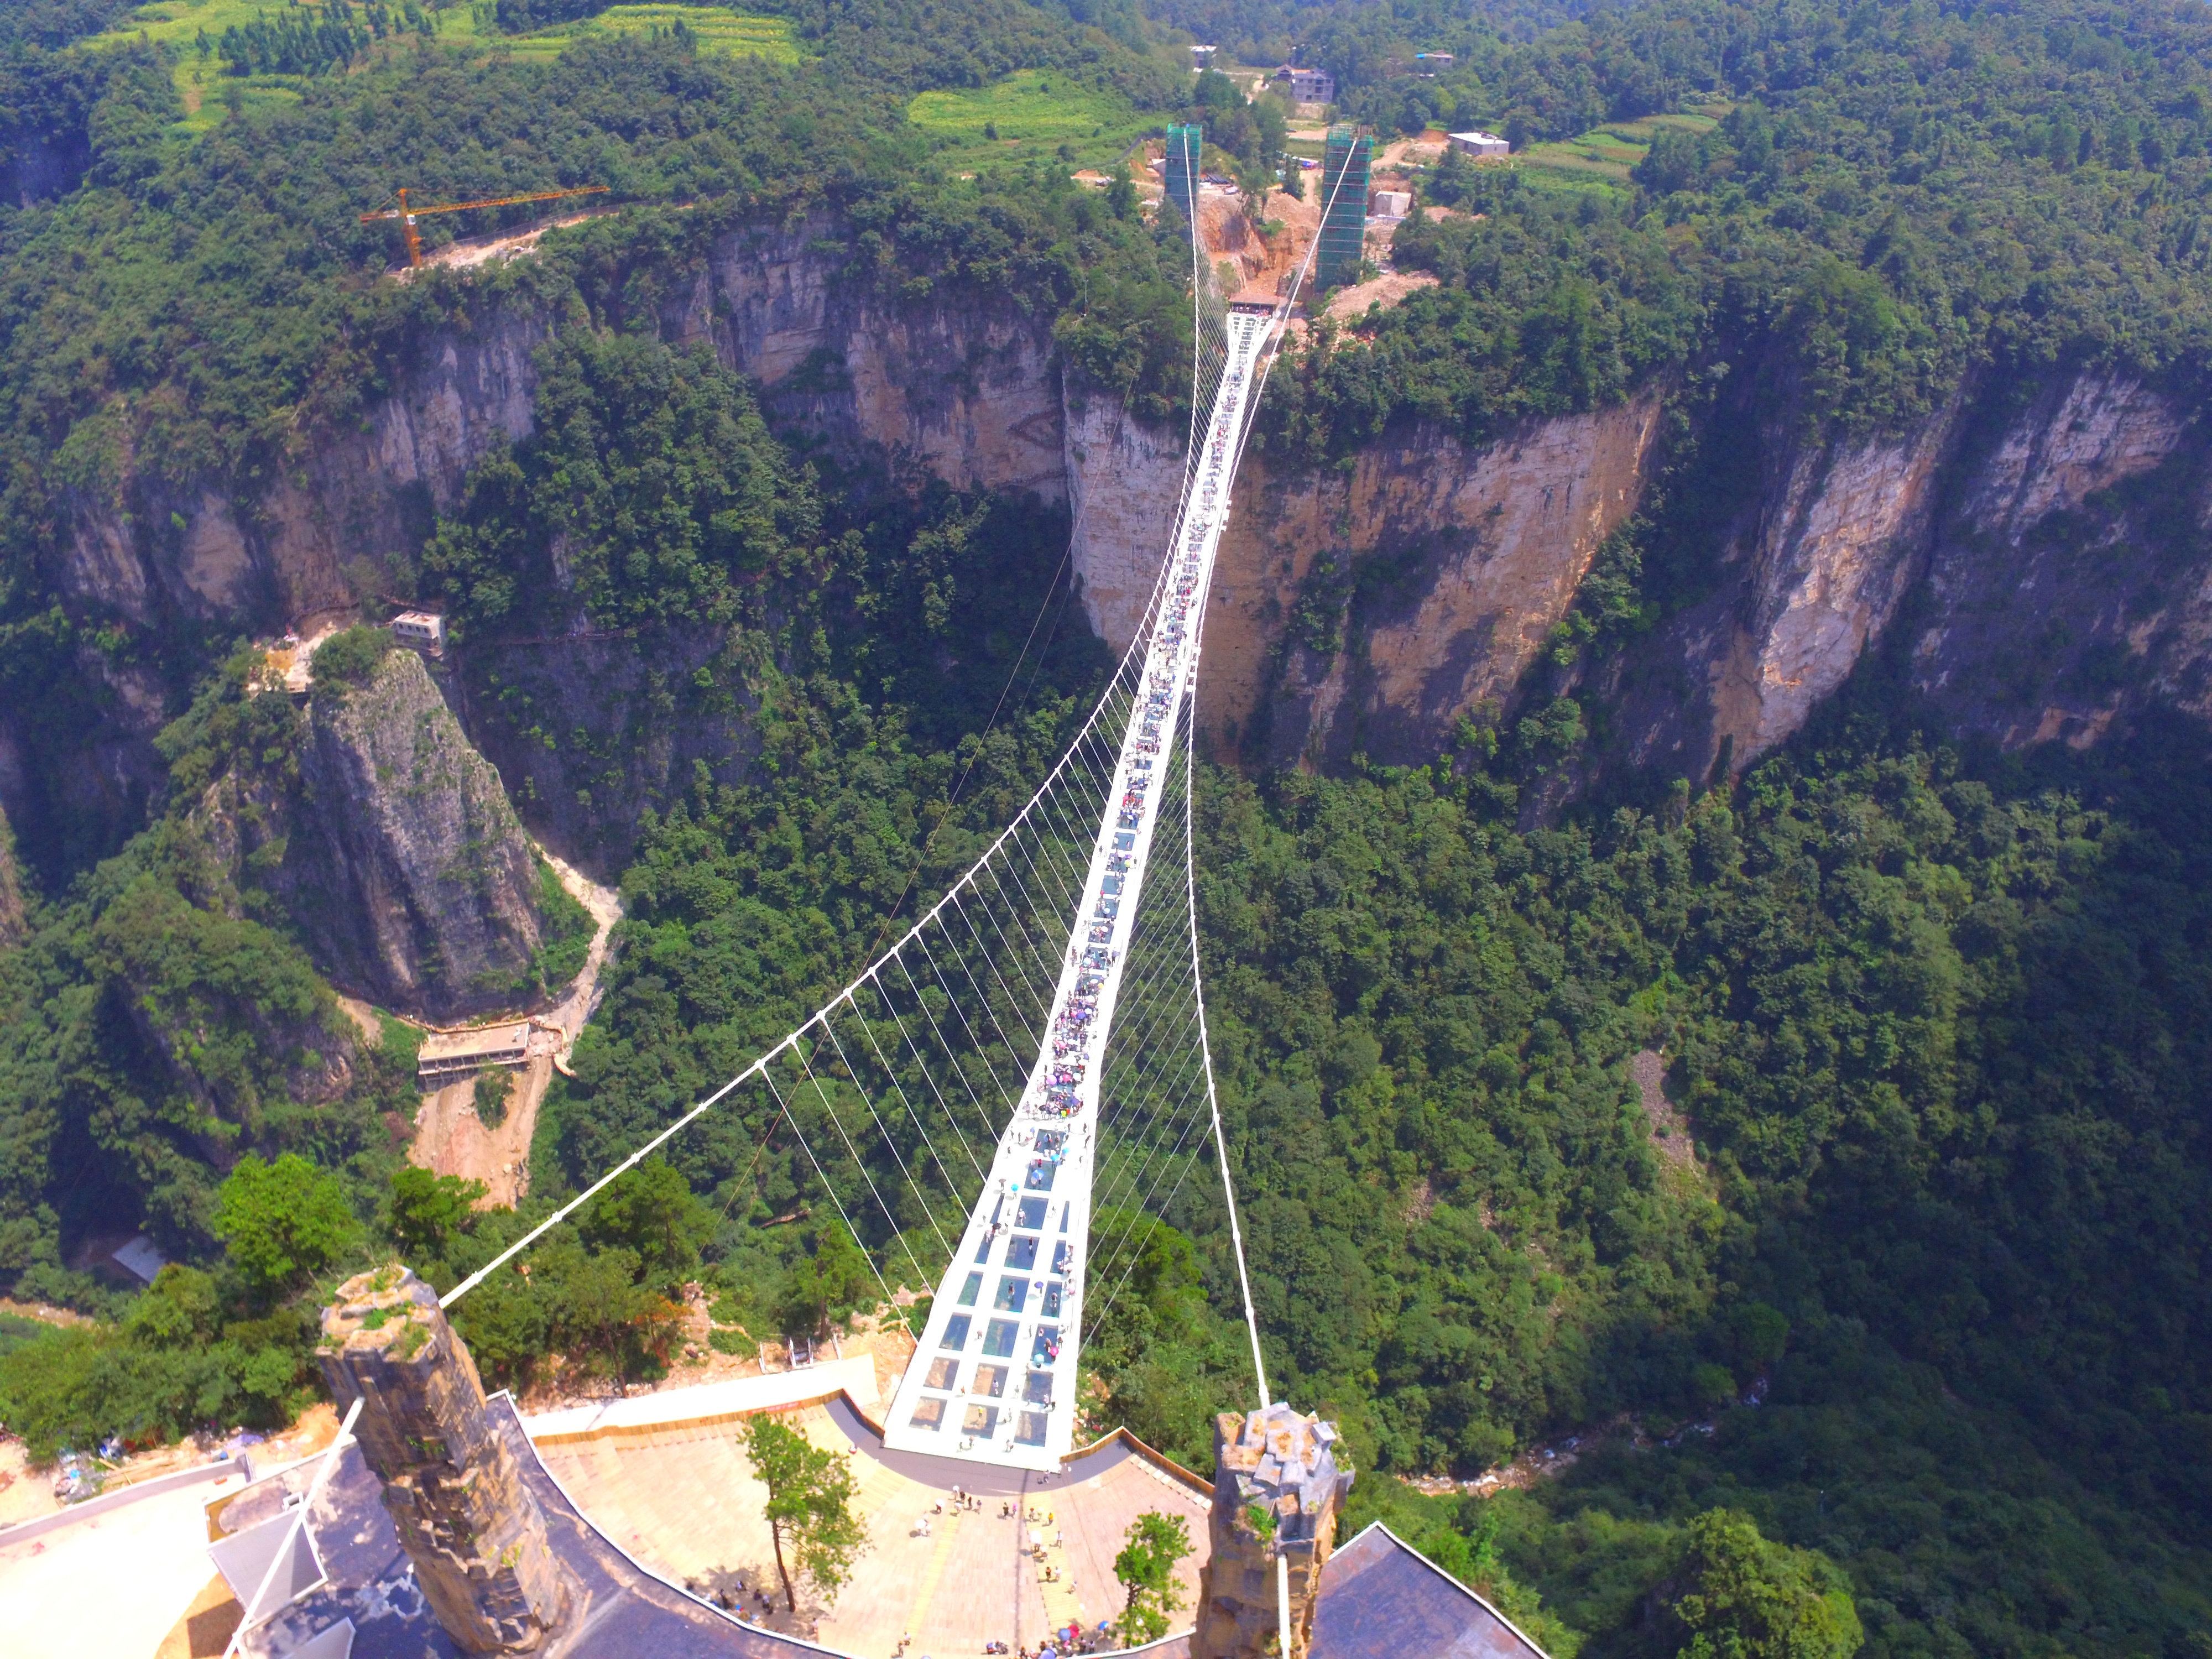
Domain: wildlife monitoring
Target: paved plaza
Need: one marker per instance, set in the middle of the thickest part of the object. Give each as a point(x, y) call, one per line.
point(682, 1499)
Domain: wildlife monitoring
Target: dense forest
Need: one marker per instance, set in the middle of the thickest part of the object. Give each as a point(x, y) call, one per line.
point(1824, 1148)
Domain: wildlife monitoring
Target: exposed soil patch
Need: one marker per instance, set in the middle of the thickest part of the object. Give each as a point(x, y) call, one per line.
point(45, 1312)
point(1388, 291)
point(452, 1139)
point(364, 1019)
point(1670, 1131)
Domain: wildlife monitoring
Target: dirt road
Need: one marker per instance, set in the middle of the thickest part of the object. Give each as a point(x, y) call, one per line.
point(451, 1138)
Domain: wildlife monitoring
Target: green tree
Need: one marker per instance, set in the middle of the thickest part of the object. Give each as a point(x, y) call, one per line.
point(652, 1211)
point(834, 1278)
point(352, 657)
point(429, 1211)
point(179, 1310)
point(283, 1221)
point(1154, 1544)
point(810, 1506)
point(1751, 1598)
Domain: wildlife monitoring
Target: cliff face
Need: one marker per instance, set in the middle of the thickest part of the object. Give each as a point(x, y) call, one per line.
point(885, 390)
point(408, 865)
point(319, 536)
point(2072, 579)
point(1124, 481)
point(2033, 547)
point(949, 385)
point(2039, 548)
point(1362, 612)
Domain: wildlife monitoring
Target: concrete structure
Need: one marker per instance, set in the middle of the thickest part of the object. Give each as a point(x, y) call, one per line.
point(1480, 145)
point(1345, 177)
point(456, 1497)
point(1306, 85)
point(1393, 204)
point(994, 1378)
point(423, 630)
point(1277, 1485)
point(1185, 145)
point(445, 1057)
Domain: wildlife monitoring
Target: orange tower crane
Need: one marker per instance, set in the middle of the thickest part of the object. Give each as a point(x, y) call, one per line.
point(407, 216)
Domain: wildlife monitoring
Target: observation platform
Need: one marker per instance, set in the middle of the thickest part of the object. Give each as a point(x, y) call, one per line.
point(681, 1499)
point(994, 1380)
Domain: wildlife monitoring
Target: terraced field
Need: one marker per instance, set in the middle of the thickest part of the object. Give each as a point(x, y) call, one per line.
point(209, 89)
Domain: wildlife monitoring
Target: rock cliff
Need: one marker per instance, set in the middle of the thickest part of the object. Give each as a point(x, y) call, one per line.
point(2037, 550)
point(881, 388)
point(319, 538)
point(2038, 543)
point(2032, 551)
point(408, 865)
point(948, 385)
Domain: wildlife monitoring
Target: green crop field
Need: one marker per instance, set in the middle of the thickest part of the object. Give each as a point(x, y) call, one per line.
point(1031, 114)
point(208, 88)
point(1605, 154)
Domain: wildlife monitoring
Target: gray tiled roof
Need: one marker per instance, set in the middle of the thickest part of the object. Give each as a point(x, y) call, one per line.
point(1381, 1599)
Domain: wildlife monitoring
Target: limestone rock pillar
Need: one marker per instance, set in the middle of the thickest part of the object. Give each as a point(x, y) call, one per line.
point(468, 1522)
point(1277, 1484)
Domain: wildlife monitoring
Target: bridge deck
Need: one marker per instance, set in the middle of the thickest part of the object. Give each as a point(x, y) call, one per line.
point(994, 1378)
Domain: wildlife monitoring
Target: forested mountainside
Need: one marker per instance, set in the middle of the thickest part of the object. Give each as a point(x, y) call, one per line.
point(1703, 871)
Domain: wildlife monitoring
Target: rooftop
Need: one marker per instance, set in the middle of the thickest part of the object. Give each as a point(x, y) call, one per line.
point(446, 1048)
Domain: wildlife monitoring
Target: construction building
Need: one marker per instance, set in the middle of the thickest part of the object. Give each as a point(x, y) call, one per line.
point(1347, 165)
point(1185, 145)
point(444, 1058)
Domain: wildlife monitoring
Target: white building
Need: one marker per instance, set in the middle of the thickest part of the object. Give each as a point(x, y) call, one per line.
point(1481, 144)
point(1393, 204)
point(421, 630)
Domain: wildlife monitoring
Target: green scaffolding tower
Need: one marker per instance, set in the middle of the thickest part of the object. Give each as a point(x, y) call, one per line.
point(1185, 146)
point(1343, 228)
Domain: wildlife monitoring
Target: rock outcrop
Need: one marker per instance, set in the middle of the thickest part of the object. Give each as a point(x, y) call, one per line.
point(456, 1496)
point(409, 867)
point(1278, 1484)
